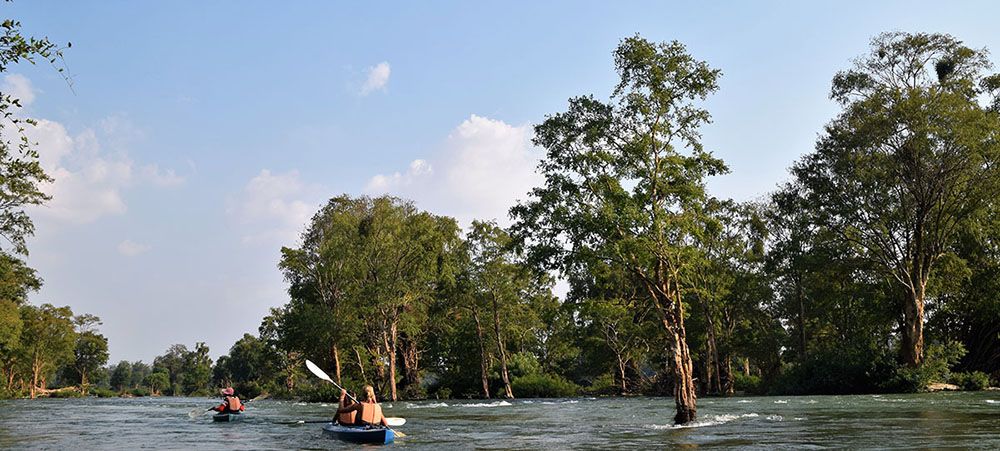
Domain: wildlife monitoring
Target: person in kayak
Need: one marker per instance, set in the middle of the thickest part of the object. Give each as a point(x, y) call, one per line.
point(230, 402)
point(368, 412)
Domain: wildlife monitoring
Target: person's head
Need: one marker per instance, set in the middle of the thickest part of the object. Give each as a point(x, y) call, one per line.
point(370, 393)
point(228, 391)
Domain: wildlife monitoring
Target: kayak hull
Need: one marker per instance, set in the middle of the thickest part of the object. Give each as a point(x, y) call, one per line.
point(360, 434)
point(226, 417)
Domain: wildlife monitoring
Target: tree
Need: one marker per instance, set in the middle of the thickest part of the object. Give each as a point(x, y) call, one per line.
point(624, 183)
point(90, 353)
point(21, 173)
point(10, 340)
point(47, 339)
point(196, 372)
point(121, 376)
point(911, 157)
point(156, 382)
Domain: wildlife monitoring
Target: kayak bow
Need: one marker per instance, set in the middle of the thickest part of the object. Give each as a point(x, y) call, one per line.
point(227, 417)
point(360, 434)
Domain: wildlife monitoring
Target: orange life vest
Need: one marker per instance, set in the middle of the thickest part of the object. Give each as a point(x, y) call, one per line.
point(347, 418)
point(370, 413)
point(233, 404)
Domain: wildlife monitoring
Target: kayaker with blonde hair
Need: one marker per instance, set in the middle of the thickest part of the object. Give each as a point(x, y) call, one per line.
point(366, 412)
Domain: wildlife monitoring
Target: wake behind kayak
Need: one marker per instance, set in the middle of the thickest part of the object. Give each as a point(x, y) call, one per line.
point(359, 434)
point(227, 417)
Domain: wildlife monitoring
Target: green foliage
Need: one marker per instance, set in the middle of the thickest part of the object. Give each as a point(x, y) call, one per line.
point(102, 392)
point(139, 391)
point(523, 364)
point(972, 381)
point(90, 353)
point(121, 376)
point(156, 381)
point(543, 386)
point(748, 384)
point(65, 393)
point(603, 385)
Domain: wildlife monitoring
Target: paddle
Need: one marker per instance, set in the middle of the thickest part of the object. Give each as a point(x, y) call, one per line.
point(322, 375)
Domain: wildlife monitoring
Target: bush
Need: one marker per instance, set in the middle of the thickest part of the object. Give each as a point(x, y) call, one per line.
point(247, 390)
point(748, 384)
point(543, 386)
point(522, 364)
point(974, 381)
point(66, 393)
point(139, 392)
point(102, 392)
point(936, 367)
point(603, 385)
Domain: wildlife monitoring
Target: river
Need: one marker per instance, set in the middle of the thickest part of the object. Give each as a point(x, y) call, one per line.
point(938, 420)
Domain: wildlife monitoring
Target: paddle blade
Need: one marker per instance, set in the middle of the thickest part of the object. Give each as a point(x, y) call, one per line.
point(318, 372)
point(399, 434)
point(395, 421)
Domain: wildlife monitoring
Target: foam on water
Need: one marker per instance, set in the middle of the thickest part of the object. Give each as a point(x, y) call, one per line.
point(992, 401)
point(487, 404)
point(781, 401)
point(709, 420)
point(432, 405)
point(743, 401)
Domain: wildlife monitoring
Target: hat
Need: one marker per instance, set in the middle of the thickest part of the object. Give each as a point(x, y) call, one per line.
point(227, 391)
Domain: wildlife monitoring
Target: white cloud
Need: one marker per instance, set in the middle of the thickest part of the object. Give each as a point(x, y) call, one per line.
point(485, 166)
point(19, 87)
point(86, 184)
point(378, 77)
point(130, 248)
point(274, 206)
point(161, 178)
point(91, 169)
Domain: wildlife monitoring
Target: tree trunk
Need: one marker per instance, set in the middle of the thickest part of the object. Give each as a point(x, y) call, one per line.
point(390, 345)
point(411, 366)
point(483, 363)
point(35, 369)
point(508, 392)
point(672, 314)
point(621, 373)
point(361, 365)
point(802, 316)
point(336, 361)
point(727, 386)
point(912, 349)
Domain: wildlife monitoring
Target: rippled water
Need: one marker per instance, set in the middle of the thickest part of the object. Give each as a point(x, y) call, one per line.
point(956, 420)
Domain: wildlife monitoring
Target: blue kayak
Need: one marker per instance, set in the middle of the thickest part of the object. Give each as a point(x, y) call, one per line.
point(360, 434)
point(227, 417)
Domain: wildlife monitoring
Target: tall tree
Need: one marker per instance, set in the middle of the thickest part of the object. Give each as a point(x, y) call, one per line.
point(89, 354)
point(911, 157)
point(624, 183)
point(47, 339)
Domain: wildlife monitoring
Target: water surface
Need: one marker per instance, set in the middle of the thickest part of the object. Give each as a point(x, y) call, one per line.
point(939, 420)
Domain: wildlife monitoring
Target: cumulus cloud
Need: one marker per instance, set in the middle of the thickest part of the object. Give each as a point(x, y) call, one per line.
point(275, 206)
point(165, 178)
point(19, 87)
point(378, 77)
point(484, 167)
point(89, 169)
point(130, 248)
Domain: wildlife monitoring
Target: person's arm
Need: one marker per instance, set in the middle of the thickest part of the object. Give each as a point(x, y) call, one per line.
point(220, 407)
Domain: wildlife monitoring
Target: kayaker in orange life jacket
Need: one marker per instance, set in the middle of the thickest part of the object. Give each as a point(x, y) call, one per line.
point(230, 402)
point(366, 412)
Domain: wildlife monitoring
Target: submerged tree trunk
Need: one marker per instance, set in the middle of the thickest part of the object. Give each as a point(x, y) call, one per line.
point(483, 363)
point(671, 308)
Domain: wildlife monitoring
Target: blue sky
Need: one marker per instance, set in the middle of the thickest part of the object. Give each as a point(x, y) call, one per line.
point(199, 137)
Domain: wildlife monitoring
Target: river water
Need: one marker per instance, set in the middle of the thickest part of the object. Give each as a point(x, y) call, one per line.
point(939, 420)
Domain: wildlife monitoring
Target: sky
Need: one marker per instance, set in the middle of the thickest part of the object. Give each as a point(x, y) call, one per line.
point(195, 139)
